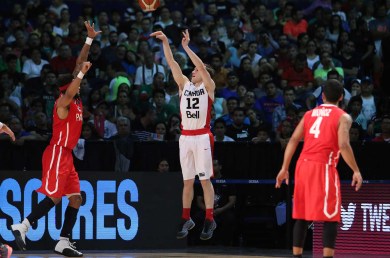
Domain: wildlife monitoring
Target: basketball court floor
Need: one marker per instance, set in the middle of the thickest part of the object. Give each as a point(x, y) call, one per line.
point(212, 252)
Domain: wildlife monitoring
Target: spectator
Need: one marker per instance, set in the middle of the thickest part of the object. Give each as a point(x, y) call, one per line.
point(355, 133)
point(163, 166)
point(263, 135)
point(300, 77)
point(123, 106)
point(327, 63)
point(230, 90)
point(369, 100)
point(281, 112)
point(160, 132)
point(295, 26)
point(252, 54)
point(173, 129)
point(231, 104)
point(123, 144)
point(101, 119)
point(246, 75)
point(32, 67)
point(315, 99)
point(270, 101)
point(163, 110)
point(63, 63)
point(355, 111)
point(384, 136)
point(238, 130)
point(143, 126)
point(220, 130)
point(220, 75)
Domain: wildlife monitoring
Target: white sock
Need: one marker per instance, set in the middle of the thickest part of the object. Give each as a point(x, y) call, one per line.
point(26, 222)
point(64, 238)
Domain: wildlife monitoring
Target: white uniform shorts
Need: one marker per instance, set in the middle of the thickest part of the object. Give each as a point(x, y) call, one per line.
point(196, 156)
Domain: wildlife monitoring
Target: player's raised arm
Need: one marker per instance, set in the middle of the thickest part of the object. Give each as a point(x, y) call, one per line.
point(346, 150)
point(177, 73)
point(74, 87)
point(206, 77)
point(83, 56)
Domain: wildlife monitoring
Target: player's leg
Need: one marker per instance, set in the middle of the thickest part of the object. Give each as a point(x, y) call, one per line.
point(5, 251)
point(204, 168)
point(329, 235)
point(72, 190)
point(51, 185)
point(299, 236)
point(188, 171)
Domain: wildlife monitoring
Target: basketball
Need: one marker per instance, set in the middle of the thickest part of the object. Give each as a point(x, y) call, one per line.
point(149, 5)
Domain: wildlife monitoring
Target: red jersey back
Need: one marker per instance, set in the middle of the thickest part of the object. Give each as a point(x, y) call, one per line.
point(66, 132)
point(320, 132)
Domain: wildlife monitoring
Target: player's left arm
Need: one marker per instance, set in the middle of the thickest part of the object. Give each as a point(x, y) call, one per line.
point(83, 56)
point(206, 77)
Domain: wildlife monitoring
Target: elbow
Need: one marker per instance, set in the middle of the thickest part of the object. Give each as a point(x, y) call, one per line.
point(344, 146)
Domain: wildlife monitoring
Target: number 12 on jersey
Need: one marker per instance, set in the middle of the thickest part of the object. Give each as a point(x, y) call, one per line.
point(315, 128)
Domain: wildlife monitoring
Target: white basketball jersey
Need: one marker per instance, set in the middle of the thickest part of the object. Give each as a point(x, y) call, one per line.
point(195, 107)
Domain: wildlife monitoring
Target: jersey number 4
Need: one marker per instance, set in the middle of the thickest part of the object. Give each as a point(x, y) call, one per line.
point(315, 128)
point(194, 104)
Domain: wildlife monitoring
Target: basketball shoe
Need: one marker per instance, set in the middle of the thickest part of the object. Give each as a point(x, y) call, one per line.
point(184, 227)
point(20, 231)
point(66, 248)
point(208, 228)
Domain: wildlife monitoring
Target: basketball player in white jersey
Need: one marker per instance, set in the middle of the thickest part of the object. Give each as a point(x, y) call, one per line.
point(196, 142)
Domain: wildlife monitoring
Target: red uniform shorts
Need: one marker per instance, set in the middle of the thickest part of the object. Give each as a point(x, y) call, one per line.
point(317, 193)
point(59, 177)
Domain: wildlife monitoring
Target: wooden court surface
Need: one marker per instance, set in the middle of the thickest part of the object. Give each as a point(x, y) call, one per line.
point(212, 252)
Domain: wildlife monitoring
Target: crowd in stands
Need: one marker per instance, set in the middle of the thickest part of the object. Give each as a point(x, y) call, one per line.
point(270, 60)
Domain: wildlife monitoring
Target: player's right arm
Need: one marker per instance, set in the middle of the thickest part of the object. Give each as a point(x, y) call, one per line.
point(346, 150)
point(288, 154)
point(74, 87)
point(180, 79)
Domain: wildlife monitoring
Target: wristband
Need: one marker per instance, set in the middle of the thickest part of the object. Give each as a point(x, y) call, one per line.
point(1, 125)
point(88, 41)
point(80, 75)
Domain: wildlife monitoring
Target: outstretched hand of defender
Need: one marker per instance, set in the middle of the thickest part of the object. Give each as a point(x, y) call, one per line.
point(357, 180)
point(160, 35)
point(283, 175)
point(91, 29)
point(186, 38)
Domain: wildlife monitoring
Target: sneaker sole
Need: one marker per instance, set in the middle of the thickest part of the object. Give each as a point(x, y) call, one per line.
point(65, 254)
point(19, 240)
point(186, 234)
point(202, 237)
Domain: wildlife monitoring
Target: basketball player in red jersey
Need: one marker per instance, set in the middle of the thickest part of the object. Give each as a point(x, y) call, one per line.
point(317, 197)
point(59, 177)
point(196, 141)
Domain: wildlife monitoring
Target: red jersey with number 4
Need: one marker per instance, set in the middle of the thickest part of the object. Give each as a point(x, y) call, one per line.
point(320, 134)
point(317, 193)
point(66, 132)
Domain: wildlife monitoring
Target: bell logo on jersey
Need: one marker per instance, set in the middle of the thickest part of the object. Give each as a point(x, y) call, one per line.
point(192, 115)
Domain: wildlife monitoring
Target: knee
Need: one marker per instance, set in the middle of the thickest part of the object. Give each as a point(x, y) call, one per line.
point(75, 201)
